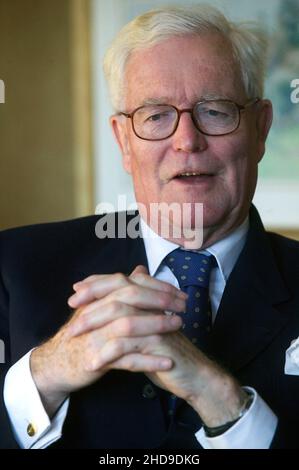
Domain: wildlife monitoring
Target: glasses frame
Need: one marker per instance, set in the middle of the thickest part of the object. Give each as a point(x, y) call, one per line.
point(240, 107)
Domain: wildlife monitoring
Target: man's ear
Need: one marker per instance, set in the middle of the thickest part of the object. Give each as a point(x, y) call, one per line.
point(120, 132)
point(263, 123)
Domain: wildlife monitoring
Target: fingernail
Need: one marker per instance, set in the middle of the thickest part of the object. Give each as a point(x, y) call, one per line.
point(78, 285)
point(175, 320)
point(166, 363)
point(72, 301)
point(182, 295)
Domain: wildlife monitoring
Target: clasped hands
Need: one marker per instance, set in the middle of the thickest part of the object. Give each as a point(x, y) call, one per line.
point(120, 323)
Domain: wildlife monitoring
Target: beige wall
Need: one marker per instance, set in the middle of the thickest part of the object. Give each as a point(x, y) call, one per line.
point(287, 233)
point(45, 151)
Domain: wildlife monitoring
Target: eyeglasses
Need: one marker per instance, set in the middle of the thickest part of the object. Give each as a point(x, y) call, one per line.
point(210, 117)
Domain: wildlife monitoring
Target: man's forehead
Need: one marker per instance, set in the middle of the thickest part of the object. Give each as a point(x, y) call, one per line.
point(195, 72)
point(205, 48)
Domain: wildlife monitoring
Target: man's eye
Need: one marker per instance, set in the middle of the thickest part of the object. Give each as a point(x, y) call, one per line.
point(160, 117)
point(213, 112)
point(154, 117)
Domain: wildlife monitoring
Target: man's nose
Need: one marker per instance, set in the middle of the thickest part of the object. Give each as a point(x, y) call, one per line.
point(187, 137)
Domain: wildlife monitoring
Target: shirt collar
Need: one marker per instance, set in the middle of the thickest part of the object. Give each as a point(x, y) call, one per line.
point(226, 251)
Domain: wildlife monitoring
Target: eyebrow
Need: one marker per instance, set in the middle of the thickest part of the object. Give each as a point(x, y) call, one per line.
point(161, 100)
point(213, 96)
point(167, 100)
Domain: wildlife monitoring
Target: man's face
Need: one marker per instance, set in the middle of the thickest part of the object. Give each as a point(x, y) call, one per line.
point(182, 71)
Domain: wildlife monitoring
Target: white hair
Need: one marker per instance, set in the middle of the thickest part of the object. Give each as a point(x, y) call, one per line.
point(248, 40)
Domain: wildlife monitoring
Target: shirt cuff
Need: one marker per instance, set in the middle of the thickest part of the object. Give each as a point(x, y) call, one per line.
point(255, 430)
point(292, 359)
point(30, 423)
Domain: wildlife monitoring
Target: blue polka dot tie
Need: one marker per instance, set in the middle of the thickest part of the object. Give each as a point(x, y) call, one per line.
point(192, 271)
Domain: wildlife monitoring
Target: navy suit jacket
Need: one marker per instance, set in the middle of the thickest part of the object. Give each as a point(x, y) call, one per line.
point(256, 321)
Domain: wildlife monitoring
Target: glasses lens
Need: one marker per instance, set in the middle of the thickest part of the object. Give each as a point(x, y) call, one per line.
point(216, 117)
point(154, 122)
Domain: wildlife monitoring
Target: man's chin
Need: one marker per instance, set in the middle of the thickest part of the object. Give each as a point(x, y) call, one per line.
point(184, 223)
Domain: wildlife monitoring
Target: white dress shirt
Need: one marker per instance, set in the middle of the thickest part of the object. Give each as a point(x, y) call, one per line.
point(255, 430)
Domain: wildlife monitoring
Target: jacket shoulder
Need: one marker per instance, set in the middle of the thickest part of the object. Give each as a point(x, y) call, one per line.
point(59, 229)
point(286, 252)
point(50, 242)
point(284, 244)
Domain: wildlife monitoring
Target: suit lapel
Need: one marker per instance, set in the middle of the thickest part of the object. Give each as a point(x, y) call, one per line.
point(249, 317)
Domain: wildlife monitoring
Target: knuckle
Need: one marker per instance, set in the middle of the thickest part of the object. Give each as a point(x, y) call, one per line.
point(88, 365)
point(171, 290)
point(115, 307)
point(90, 346)
point(156, 340)
point(131, 363)
point(140, 277)
point(90, 358)
point(164, 299)
point(82, 321)
point(93, 277)
point(126, 326)
point(76, 314)
point(92, 288)
point(120, 278)
point(91, 365)
point(132, 291)
point(116, 346)
point(85, 289)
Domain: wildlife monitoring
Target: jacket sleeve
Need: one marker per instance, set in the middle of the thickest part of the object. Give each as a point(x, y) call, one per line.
point(7, 440)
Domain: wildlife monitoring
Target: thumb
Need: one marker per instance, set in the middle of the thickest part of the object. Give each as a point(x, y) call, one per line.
point(140, 269)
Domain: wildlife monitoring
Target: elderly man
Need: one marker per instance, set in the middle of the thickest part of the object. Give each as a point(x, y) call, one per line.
point(171, 344)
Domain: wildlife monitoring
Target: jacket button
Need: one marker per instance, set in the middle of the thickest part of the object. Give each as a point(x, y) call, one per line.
point(149, 392)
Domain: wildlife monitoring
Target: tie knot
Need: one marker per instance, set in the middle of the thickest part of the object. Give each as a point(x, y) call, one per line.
point(190, 268)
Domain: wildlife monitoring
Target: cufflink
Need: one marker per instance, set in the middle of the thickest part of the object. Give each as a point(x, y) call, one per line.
point(31, 430)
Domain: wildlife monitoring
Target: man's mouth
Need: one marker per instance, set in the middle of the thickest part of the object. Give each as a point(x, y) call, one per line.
point(189, 174)
point(193, 176)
